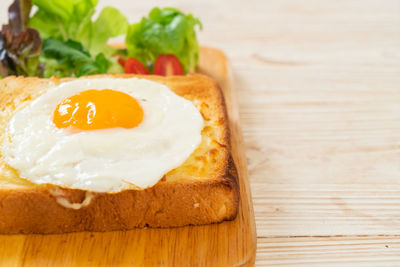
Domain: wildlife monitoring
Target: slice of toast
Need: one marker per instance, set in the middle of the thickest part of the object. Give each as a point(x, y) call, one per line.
point(203, 190)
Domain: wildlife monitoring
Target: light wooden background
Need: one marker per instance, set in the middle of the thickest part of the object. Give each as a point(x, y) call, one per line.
point(319, 92)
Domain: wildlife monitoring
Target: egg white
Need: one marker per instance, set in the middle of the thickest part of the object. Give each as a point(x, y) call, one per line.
point(106, 160)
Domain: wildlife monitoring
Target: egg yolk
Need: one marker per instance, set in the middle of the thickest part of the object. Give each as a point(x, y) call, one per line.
point(98, 109)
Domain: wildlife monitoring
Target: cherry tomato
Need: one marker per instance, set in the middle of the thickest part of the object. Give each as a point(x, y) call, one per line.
point(168, 65)
point(132, 65)
point(121, 61)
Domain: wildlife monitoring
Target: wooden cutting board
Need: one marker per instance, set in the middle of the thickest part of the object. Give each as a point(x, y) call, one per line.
point(226, 244)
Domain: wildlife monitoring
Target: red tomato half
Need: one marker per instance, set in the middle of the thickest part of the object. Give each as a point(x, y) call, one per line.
point(121, 61)
point(168, 65)
point(132, 65)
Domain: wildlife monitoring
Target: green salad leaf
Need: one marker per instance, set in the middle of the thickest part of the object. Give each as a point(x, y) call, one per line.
point(75, 43)
point(71, 59)
point(72, 20)
point(110, 23)
point(165, 31)
point(62, 19)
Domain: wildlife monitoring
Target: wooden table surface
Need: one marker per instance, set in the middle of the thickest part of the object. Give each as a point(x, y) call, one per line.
point(319, 93)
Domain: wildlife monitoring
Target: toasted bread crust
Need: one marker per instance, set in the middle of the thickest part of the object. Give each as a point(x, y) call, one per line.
point(203, 190)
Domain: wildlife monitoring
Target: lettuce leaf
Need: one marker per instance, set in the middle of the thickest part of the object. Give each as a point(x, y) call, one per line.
point(165, 31)
point(110, 23)
point(20, 47)
point(72, 59)
point(72, 20)
point(62, 19)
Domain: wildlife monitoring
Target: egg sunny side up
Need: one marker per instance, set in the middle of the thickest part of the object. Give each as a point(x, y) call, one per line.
point(102, 134)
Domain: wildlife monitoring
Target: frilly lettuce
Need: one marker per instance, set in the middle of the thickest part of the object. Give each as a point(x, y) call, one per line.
point(165, 31)
point(20, 46)
point(62, 39)
point(65, 20)
point(74, 44)
point(72, 59)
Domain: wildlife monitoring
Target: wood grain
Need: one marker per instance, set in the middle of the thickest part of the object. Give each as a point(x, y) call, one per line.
point(330, 251)
point(226, 244)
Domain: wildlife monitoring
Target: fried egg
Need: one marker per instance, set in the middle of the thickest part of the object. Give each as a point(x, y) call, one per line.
point(102, 134)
